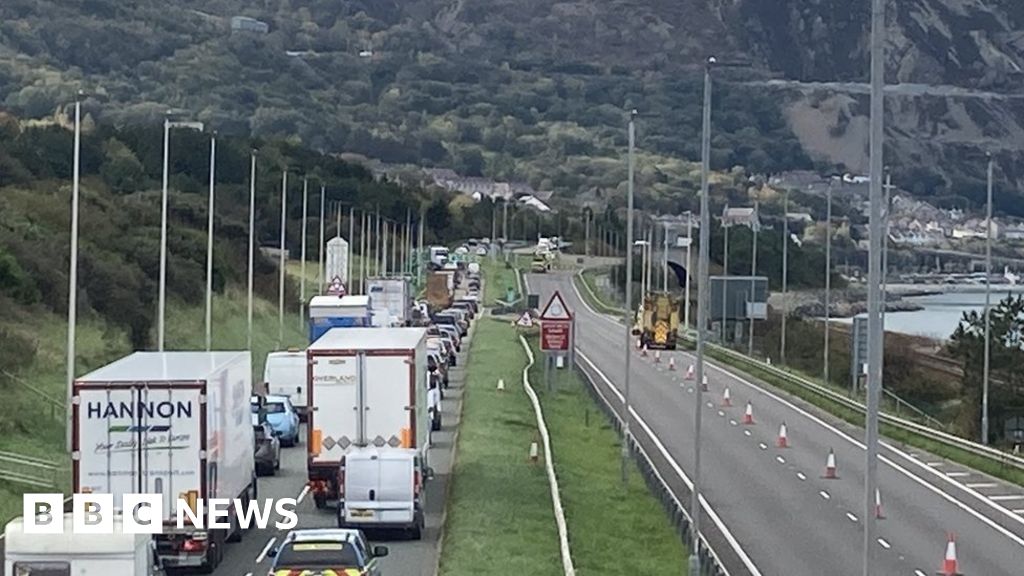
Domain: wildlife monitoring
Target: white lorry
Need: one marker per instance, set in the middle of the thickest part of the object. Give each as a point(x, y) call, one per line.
point(392, 294)
point(326, 312)
point(367, 387)
point(69, 554)
point(171, 423)
point(284, 374)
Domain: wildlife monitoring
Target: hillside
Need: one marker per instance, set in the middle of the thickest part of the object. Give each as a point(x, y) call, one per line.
point(536, 91)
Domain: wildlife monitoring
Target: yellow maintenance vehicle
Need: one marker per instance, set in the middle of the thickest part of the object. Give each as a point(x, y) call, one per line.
point(658, 321)
point(541, 263)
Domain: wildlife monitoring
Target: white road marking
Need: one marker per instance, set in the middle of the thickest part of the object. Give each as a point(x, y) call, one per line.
point(690, 390)
point(248, 574)
point(958, 474)
point(763, 446)
point(1018, 511)
point(746, 432)
point(780, 459)
point(851, 516)
point(919, 573)
point(266, 549)
point(981, 485)
point(711, 404)
point(884, 544)
point(936, 464)
point(734, 423)
point(721, 413)
point(824, 495)
point(801, 476)
point(1006, 497)
point(302, 495)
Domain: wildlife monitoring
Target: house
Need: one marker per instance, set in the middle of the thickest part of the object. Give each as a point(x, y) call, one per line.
point(740, 217)
point(246, 24)
point(1014, 232)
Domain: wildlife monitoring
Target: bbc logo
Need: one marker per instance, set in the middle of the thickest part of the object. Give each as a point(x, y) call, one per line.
point(92, 513)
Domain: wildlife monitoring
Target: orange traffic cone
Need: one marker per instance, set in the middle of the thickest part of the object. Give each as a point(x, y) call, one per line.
point(689, 372)
point(748, 416)
point(657, 356)
point(830, 466)
point(672, 364)
point(950, 566)
point(704, 383)
point(878, 505)
point(783, 440)
point(726, 398)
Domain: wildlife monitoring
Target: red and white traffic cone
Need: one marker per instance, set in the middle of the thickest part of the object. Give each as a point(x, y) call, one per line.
point(878, 505)
point(643, 350)
point(689, 372)
point(704, 383)
point(639, 344)
point(950, 566)
point(783, 439)
point(726, 398)
point(748, 415)
point(657, 356)
point(672, 364)
point(830, 466)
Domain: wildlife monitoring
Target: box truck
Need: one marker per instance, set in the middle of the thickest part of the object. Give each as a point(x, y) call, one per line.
point(393, 294)
point(284, 374)
point(70, 554)
point(171, 423)
point(326, 312)
point(367, 387)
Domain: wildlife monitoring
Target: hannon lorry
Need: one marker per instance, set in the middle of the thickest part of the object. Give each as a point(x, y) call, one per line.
point(367, 387)
point(393, 294)
point(170, 423)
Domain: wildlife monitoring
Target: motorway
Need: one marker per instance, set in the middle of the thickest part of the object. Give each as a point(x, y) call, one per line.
point(774, 513)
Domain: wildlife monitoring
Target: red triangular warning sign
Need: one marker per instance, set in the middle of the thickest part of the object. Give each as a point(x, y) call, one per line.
point(556, 309)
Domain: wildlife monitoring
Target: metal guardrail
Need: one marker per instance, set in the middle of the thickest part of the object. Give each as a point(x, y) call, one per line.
point(28, 471)
point(1004, 458)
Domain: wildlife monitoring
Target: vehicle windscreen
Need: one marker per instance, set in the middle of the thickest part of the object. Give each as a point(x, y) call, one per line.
point(275, 407)
point(317, 555)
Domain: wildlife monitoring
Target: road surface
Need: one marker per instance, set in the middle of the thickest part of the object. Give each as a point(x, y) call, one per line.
point(774, 513)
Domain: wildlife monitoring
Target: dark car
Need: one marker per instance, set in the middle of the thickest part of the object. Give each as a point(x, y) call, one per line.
point(267, 454)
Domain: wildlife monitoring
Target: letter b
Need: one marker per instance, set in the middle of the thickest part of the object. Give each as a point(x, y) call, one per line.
point(93, 513)
point(43, 513)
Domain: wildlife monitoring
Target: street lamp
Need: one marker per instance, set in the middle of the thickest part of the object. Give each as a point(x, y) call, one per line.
point(73, 271)
point(988, 305)
point(252, 243)
point(726, 224)
point(755, 226)
point(209, 245)
point(629, 294)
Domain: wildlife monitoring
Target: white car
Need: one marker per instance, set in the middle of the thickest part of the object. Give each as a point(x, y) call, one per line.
point(481, 251)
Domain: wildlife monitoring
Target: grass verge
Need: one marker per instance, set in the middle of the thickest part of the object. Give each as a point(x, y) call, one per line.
point(592, 295)
point(500, 518)
point(499, 279)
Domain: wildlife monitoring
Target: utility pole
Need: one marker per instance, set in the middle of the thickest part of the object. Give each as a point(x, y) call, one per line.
point(664, 260)
point(703, 302)
point(73, 269)
point(376, 246)
point(988, 306)
point(281, 260)
point(725, 272)
point(689, 244)
point(828, 275)
point(162, 290)
point(785, 275)
point(629, 295)
point(755, 225)
point(209, 246)
point(351, 245)
point(252, 244)
point(302, 251)
point(320, 249)
point(885, 250)
point(877, 139)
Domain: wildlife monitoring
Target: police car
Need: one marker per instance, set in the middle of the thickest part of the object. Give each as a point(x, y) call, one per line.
point(326, 552)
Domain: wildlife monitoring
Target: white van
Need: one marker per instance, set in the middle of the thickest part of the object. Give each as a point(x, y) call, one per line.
point(285, 374)
point(382, 489)
point(70, 554)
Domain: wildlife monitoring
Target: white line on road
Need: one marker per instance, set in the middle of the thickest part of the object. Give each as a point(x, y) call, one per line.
point(1006, 497)
point(958, 474)
point(884, 544)
point(248, 574)
point(746, 432)
point(721, 413)
point(734, 423)
point(936, 464)
point(762, 446)
point(801, 476)
point(780, 459)
point(266, 549)
point(981, 485)
point(711, 404)
point(919, 573)
point(1018, 511)
point(824, 495)
point(690, 390)
point(302, 495)
point(851, 516)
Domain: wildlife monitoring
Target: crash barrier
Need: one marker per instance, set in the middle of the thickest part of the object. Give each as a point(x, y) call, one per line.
point(556, 499)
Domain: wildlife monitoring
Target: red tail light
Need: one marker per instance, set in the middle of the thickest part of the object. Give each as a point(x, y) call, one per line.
point(193, 545)
point(417, 481)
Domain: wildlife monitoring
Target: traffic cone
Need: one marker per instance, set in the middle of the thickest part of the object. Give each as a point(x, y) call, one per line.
point(501, 384)
point(672, 364)
point(748, 415)
point(534, 452)
point(657, 356)
point(830, 466)
point(769, 360)
point(950, 566)
point(726, 398)
point(689, 372)
point(704, 383)
point(878, 505)
point(639, 344)
point(643, 350)
point(783, 440)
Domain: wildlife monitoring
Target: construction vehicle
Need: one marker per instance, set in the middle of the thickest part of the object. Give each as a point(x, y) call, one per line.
point(658, 321)
point(540, 263)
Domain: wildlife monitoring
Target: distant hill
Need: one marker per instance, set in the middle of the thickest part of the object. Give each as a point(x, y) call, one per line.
point(537, 91)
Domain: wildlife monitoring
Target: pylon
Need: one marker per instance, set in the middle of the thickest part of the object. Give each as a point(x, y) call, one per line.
point(878, 505)
point(689, 372)
point(950, 566)
point(534, 452)
point(704, 383)
point(726, 398)
point(672, 363)
point(769, 360)
point(501, 384)
point(748, 415)
point(657, 356)
point(639, 344)
point(783, 440)
point(830, 466)
point(643, 350)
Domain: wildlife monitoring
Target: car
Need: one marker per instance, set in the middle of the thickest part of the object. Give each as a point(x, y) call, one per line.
point(267, 455)
point(481, 251)
point(283, 418)
point(438, 366)
point(447, 320)
point(452, 332)
point(326, 551)
point(449, 342)
point(434, 406)
point(463, 305)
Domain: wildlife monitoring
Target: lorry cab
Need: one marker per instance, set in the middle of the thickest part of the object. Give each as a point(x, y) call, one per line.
point(71, 554)
point(382, 489)
point(285, 375)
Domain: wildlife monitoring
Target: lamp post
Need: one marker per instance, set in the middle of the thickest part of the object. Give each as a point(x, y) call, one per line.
point(252, 244)
point(785, 275)
point(755, 225)
point(209, 245)
point(726, 224)
point(828, 276)
point(988, 305)
point(281, 260)
point(689, 244)
point(302, 251)
point(320, 246)
point(629, 296)
point(73, 265)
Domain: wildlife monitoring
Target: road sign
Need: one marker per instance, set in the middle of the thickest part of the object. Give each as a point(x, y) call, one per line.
point(556, 309)
point(337, 287)
point(525, 320)
point(555, 335)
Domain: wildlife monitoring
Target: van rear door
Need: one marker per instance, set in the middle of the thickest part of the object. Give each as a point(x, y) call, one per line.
point(380, 487)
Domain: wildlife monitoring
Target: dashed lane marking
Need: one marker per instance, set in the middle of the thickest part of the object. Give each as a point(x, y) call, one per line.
point(266, 549)
point(851, 516)
point(884, 544)
point(824, 495)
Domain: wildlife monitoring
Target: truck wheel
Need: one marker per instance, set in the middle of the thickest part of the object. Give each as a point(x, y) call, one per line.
point(235, 535)
point(416, 533)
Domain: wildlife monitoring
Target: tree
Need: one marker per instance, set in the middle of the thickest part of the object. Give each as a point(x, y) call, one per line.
point(439, 218)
